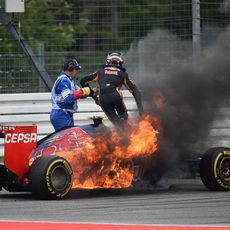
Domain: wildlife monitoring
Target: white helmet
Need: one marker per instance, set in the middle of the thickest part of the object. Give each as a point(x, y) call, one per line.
point(114, 59)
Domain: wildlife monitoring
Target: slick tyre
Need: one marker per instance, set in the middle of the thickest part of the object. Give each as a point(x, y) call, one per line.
point(147, 172)
point(215, 169)
point(50, 177)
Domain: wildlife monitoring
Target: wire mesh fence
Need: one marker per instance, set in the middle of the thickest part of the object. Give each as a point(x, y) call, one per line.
point(150, 34)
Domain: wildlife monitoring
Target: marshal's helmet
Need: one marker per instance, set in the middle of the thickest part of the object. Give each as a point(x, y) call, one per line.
point(70, 64)
point(114, 59)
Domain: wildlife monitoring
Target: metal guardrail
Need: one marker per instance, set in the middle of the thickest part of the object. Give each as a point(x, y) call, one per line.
point(34, 109)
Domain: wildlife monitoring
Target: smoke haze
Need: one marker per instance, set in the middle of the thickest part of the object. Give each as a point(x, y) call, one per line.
point(225, 7)
point(193, 87)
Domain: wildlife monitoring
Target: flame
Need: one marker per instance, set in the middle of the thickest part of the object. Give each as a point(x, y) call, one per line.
point(106, 160)
point(159, 99)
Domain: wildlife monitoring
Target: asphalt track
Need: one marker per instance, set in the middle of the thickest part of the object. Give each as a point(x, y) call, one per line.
point(177, 205)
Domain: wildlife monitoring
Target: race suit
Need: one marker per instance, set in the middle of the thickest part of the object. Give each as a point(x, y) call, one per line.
point(63, 102)
point(110, 80)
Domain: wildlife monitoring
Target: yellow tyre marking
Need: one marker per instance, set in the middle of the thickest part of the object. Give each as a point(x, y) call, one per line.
point(54, 162)
point(227, 153)
point(68, 170)
point(215, 163)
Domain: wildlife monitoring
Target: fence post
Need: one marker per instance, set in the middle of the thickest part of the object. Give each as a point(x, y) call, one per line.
point(196, 26)
point(41, 56)
point(114, 16)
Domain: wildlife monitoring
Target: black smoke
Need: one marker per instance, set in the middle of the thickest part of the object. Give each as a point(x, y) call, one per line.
point(194, 86)
point(225, 6)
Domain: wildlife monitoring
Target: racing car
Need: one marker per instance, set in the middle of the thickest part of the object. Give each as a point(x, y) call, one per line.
point(87, 157)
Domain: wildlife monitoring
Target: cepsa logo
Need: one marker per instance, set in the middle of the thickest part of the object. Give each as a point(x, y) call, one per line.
point(21, 137)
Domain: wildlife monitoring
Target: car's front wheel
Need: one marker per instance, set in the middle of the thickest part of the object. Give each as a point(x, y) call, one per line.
point(215, 169)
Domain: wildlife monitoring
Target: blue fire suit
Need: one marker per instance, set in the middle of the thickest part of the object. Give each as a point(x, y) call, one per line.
point(63, 102)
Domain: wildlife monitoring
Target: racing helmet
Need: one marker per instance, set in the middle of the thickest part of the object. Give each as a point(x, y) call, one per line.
point(114, 59)
point(71, 64)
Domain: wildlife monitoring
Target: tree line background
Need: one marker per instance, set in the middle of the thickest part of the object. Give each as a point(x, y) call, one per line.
point(88, 29)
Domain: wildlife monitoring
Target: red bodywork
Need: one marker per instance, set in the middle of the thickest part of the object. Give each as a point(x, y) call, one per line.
point(20, 143)
point(22, 149)
point(21, 146)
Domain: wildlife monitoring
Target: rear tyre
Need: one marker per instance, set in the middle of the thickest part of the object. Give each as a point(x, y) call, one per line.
point(50, 177)
point(150, 172)
point(215, 169)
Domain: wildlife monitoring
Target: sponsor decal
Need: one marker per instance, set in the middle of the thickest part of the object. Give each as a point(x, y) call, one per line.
point(137, 172)
point(72, 138)
point(216, 169)
point(111, 72)
point(227, 153)
point(6, 128)
point(21, 138)
point(137, 169)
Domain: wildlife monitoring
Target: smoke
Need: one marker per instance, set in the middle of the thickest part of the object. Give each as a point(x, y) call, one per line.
point(151, 56)
point(225, 7)
point(193, 87)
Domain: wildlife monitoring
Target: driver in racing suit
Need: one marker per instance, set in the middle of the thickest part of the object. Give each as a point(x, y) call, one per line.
point(65, 95)
point(110, 79)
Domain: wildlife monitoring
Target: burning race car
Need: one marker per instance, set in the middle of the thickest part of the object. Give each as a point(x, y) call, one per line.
point(92, 156)
point(88, 156)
